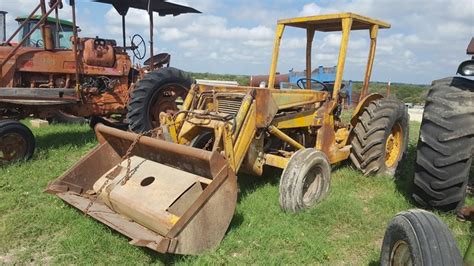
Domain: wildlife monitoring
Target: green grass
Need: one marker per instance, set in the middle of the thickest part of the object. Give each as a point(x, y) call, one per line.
point(347, 227)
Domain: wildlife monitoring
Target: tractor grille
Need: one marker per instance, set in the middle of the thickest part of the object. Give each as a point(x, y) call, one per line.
point(229, 105)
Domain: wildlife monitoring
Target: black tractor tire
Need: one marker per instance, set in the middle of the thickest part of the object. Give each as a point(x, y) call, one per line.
point(419, 237)
point(15, 129)
point(305, 181)
point(445, 145)
point(160, 87)
point(382, 120)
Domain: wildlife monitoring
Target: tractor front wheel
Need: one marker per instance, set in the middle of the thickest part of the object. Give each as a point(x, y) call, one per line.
point(16, 142)
point(305, 180)
point(380, 137)
point(159, 91)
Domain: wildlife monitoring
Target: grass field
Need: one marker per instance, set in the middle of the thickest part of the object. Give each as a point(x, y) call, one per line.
point(346, 228)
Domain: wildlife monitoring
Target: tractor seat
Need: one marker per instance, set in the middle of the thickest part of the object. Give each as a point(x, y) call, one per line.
point(159, 60)
point(98, 52)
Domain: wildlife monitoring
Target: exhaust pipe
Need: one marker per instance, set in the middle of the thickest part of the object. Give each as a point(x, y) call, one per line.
point(3, 26)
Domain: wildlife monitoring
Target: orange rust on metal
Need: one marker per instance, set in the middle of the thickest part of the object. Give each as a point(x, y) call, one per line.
point(256, 80)
point(19, 45)
point(191, 232)
point(470, 47)
point(82, 68)
point(12, 147)
point(190, 178)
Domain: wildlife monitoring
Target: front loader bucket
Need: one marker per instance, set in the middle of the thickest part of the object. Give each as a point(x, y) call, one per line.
point(177, 199)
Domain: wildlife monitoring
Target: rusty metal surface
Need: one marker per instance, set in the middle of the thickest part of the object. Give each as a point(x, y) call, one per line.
point(139, 235)
point(470, 47)
point(40, 68)
point(13, 147)
point(257, 79)
point(175, 213)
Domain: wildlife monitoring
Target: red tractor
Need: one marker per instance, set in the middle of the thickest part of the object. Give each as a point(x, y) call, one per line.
point(46, 72)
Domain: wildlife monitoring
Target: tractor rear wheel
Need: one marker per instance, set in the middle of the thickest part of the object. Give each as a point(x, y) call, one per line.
point(305, 180)
point(418, 237)
point(380, 137)
point(16, 142)
point(159, 91)
point(444, 152)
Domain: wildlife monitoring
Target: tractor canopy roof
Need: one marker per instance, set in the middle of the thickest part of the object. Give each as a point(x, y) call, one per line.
point(332, 22)
point(161, 7)
point(50, 20)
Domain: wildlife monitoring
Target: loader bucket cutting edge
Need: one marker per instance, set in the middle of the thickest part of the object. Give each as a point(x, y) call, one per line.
point(178, 199)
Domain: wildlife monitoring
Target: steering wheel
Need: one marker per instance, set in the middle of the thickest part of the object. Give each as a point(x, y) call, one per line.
point(37, 43)
point(301, 83)
point(138, 47)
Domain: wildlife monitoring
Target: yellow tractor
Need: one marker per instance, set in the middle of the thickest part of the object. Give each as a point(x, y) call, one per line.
point(174, 189)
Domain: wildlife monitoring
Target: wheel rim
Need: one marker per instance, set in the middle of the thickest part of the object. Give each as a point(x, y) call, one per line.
point(400, 254)
point(393, 145)
point(13, 147)
point(312, 185)
point(167, 99)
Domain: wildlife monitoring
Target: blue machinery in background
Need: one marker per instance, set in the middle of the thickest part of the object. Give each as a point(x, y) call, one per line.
point(323, 74)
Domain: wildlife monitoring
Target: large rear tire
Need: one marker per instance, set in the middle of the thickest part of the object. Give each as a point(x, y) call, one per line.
point(16, 142)
point(305, 180)
point(157, 92)
point(418, 237)
point(444, 152)
point(380, 137)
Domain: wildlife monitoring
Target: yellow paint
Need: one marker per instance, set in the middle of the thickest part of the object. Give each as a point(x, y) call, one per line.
point(393, 145)
point(346, 28)
point(276, 161)
point(329, 22)
point(228, 148)
point(370, 61)
point(302, 119)
point(186, 106)
point(242, 114)
point(309, 46)
point(245, 137)
point(174, 219)
point(341, 136)
point(281, 135)
point(276, 49)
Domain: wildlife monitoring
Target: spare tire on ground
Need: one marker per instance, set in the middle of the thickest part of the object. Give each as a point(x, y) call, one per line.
point(418, 237)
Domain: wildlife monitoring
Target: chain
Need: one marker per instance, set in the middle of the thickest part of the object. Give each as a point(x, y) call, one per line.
point(206, 147)
point(127, 176)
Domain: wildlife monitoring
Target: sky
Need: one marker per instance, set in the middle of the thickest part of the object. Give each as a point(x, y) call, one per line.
point(427, 39)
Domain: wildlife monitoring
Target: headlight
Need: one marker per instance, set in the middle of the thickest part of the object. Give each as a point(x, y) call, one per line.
point(466, 68)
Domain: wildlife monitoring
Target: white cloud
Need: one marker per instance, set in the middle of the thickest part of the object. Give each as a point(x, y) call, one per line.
point(172, 34)
point(237, 36)
point(193, 43)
